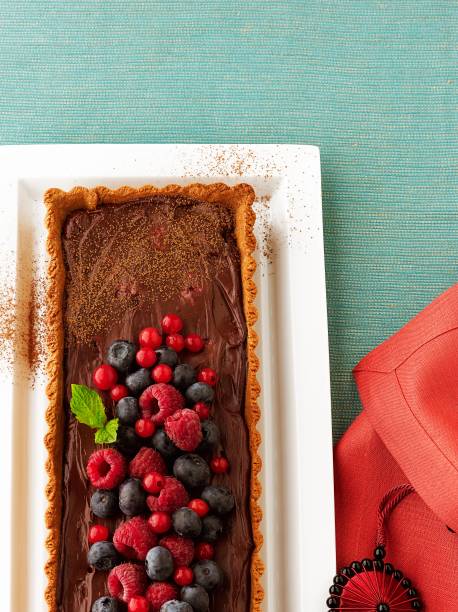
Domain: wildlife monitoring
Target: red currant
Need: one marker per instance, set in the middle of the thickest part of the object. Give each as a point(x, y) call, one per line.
point(219, 465)
point(183, 576)
point(204, 551)
point(207, 375)
point(144, 428)
point(153, 482)
point(150, 337)
point(146, 357)
point(105, 377)
point(160, 522)
point(98, 533)
point(118, 392)
point(202, 410)
point(199, 506)
point(138, 604)
point(194, 343)
point(172, 324)
point(175, 342)
point(162, 373)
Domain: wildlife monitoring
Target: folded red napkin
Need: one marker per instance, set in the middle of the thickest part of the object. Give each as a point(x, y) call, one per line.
point(407, 433)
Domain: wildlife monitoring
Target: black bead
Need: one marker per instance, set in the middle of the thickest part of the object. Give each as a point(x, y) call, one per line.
point(367, 564)
point(379, 552)
point(356, 566)
point(378, 565)
point(412, 592)
point(340, 580)
point(389, 569)
point(335, 590)
point(398, 575)
point(383, 607)
point(416, 605)
point(406, 583)
point(332, 602)
point(346, 571)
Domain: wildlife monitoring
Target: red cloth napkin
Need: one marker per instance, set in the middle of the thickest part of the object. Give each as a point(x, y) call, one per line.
point(407, 433)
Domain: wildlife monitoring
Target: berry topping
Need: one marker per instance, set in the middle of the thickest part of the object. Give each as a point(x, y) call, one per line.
point(132, 498)
point(219, 498)
point(196, 597)
point(104, 504)
point(106, 468)
point(126, 581)
point(103, 556)
point(162, 373)
point(98, 533)
point(210, 433)
point(219, 465)
point(153, 482)
point(192, 470)
point(199, 506)
point(127, 441)
point(105, 377)
point(146, 357)
point(184, 376)
point(127, 410)
point(172, 496)
point(145, 428)
point(134, 538)
point(172, 324)
point(207, 375)
point(183, 428)
point(121, 355)
point(194, 343)
point(183, 576)
point(207, 574)
point(138, 381)
point(159, 563)
point(138, 604)
point(181, 549)
point(202, 410)
point(150, 337)
point(167, 355)
point(200, 392)
point(164, 444)
point(160, 522)
point(187, 523)
point(175, 342)
point(160, 401)
point(118, 392)
point(145, 461)
point(106, 604)
point(204, 551)
point(176, 606)
point(212, 528)
point(160, 592)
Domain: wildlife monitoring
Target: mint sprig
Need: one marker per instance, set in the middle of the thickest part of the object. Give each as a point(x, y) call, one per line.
point(87, 406)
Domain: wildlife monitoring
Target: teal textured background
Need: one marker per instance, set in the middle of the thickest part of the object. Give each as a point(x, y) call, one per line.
point(373, 83)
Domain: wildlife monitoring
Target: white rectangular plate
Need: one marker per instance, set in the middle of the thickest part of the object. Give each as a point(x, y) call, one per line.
point(297, 497)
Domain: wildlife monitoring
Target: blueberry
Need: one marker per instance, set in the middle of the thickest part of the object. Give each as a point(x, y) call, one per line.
point(187, 523)
point(200, 392)
point(127, 410)
point(184, 376)
point(196, 597)
point(121, 355)
point(210, 433)
point(162, 443)
point(207, 574)
point(127, 441)
point(192, 470)
point(212, 528)
point(103, 556)
point(132, 497)
point(167, 356)
point(175, 606)
point(219, 498)
point(104, 504)
point(138, 381)
point(159, 563)
point(106, 604)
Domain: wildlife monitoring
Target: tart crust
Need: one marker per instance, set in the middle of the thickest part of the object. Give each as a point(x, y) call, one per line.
point(58, 205)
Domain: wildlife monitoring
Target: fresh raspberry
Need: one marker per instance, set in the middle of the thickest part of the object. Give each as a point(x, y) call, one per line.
point(194, 343)
point(105, 377)
point(138, 604)
point(162, 373)
point(118, 392)
point(146, 357)
point(204, 551)
point(160, 522)
point(181, 549)
point(145, 461)
point(175, 342)
point(106, 468)
point(219, 465)
point(172, 324)
point(160, 401)
point(183, 428)
point(150, 337)
point(171, 497)
point(98, 533)
point(160, 592)
point(144, 428)
point(207, 375)
point(183, 576)
point(202, 410)
point(134, 538)
point(127, 580)
point(199, 506)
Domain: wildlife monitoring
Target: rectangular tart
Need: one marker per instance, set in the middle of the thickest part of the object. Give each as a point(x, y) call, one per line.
point(118, 261)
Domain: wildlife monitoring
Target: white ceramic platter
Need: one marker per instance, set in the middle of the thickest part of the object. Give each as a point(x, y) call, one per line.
point(298, 521)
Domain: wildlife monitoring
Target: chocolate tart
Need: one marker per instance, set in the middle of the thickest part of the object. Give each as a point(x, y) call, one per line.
point(117, 259)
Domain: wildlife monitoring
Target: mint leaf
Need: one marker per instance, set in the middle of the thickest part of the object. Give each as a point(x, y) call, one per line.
point(108, 433)
point(87, 406)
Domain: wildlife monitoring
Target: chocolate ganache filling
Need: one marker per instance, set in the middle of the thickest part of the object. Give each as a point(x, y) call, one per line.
point(126, 266)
